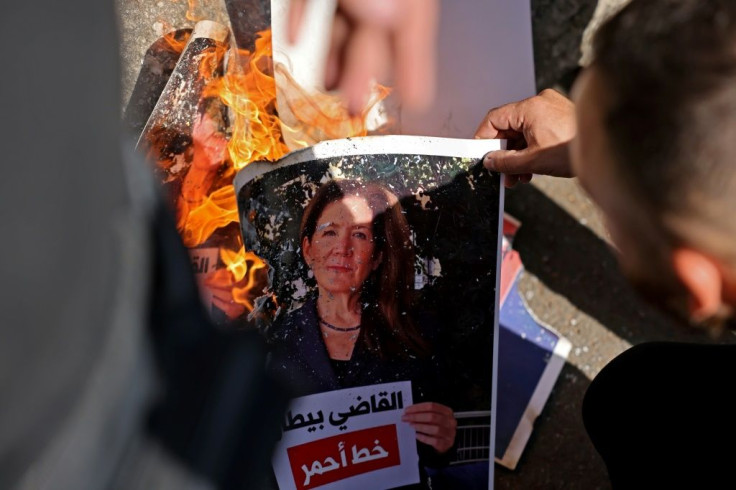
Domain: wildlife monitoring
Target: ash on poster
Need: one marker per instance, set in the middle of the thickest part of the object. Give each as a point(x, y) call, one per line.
point(453, 207)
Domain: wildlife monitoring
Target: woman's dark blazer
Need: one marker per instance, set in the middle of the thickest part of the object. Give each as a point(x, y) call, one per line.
point(299, 357)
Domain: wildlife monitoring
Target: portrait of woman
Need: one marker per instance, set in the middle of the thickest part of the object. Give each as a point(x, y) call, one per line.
point(360, 326)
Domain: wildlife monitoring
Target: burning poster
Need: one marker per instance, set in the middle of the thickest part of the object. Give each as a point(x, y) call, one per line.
point(216, 114)
point(382, 256)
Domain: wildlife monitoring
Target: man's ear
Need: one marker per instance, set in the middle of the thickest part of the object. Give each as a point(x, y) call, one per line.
point(703, 278)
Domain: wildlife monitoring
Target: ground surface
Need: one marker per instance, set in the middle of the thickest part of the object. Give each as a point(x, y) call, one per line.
point(571, 280)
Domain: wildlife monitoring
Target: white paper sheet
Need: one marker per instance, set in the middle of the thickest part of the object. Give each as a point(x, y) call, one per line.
point(352, 438)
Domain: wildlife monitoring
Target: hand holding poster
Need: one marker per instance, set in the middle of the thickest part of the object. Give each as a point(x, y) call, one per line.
point(354, 437)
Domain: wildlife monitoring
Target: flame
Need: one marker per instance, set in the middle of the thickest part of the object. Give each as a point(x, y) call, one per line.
point(243, 267)
point(197, 9)
point(193, 10)
point(217, 211)
point(249, 90)
point(313, 117)
point(177, 39)
point(210, 63)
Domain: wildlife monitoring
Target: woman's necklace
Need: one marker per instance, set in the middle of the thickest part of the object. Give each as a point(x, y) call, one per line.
point(340, 329)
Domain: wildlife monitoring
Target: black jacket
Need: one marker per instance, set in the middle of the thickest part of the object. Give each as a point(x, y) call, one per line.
point(299, 357)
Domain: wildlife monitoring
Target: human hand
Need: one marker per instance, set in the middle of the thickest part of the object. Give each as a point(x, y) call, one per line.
point(435, 424)
point(538, 129)
point(370, 38)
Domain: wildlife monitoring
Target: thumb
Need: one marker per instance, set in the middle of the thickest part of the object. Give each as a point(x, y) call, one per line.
point(511, 161)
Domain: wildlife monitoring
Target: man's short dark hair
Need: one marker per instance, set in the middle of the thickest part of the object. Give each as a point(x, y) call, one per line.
point(670, 69)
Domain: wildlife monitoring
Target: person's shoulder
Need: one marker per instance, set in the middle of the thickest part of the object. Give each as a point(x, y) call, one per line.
point(289, 324)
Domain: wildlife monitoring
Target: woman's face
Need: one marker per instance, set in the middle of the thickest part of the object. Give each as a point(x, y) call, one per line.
point(341, 250)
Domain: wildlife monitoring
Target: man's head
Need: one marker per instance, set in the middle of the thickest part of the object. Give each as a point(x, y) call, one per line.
point(657, 147)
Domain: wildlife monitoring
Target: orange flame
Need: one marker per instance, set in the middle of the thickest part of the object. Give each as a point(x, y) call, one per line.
point(177, 39)
point(243, 266)
point(192, 11)
point(210, 64)
point(217, 211)
point(313, 117)
point(249, 90)
point(250, 93)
